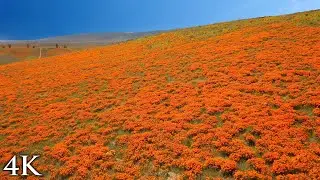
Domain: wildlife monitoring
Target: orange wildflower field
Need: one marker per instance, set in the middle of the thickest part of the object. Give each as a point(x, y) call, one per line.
point(235, 100)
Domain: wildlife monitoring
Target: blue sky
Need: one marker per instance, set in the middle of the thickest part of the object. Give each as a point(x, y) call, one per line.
point(33, 19)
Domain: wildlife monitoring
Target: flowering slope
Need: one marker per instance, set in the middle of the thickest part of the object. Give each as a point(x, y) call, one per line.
point(232, 100)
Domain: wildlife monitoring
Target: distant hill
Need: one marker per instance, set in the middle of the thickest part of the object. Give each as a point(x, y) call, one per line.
point(47, 46)
point(97, 38)
point(85, 39)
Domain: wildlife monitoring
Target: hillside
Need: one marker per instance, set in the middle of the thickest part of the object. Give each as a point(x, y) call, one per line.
point(237, 100)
